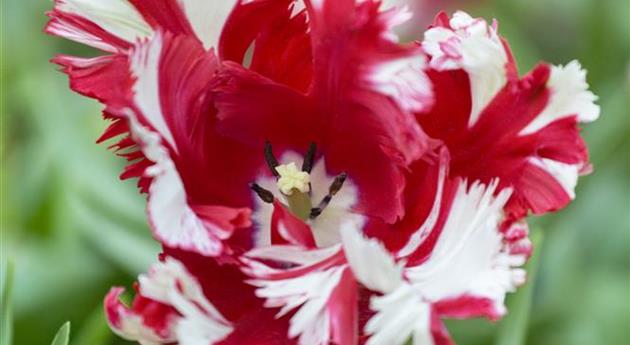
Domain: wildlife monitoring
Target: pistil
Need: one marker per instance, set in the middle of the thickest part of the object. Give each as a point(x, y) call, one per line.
point(295, 185)
point(299, 204)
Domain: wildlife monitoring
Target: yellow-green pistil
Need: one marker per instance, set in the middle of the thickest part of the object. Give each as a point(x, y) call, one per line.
point(295, 185)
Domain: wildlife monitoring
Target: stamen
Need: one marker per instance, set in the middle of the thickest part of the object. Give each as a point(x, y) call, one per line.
point(335, 186)
point(262, 193)
point(307, 166)
point(272, 162)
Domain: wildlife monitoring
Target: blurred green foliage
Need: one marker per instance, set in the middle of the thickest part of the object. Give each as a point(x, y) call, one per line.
point(73, 230)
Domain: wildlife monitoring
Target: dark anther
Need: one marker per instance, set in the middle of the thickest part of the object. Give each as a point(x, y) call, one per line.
point(337, 183)
point(315, 212)
point(272, 162)
point(335, 186)
point(309, 158)
point(262, 193)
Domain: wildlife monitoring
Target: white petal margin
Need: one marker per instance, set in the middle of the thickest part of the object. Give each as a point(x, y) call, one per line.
point(172, 220)
point(470, 257)
point(566, 174)
point(170, 283)
point(118, 17)
point(130, 326)
point(570, 96)
point(475, 46)
point(309, 293)
point(207, 18)
point(401, 313)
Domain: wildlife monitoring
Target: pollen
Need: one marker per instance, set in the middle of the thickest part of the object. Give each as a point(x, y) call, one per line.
point(291, 178)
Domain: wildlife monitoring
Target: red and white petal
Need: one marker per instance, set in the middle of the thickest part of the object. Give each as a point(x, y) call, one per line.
point(104, 78)
point(277, 34)
point(321, 295)
point(467, 43)
point(569, 97)
point(401, 77)
point(145, 67)
point(170, 307)
point(438, 208)
point(110, 25)
point(401, 313)
point(286, 228)
point(472, 260)
point(147, 322)
point(356, 51)
point(177, 220)
point(527, 136)
point(354, 55)
point(173, 221)
point(170, 283)
point(310, 295)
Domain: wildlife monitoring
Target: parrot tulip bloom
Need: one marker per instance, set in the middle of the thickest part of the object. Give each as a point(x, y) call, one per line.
point(314, 181)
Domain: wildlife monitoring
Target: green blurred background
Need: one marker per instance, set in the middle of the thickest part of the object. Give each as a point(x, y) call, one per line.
point(73, 230)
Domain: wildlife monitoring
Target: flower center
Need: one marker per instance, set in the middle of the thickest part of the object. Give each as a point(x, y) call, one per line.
point(295, 184)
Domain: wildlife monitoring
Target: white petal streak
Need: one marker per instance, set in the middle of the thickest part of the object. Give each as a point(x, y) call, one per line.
point(207, 18)
point(475, 46)
point(63, 28)
point(311, 293)
point(145, 63)
point(132, 328)
point(117, 17)
point(292, 254)
point(371, 263)
point(570, 96)
point(404, 80)
point(470, 256)
point(418, 237)
point(170, 283)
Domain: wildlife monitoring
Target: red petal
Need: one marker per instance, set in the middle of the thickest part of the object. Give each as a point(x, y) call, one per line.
point(466, 307)
point(342, 307)
point(286, 228)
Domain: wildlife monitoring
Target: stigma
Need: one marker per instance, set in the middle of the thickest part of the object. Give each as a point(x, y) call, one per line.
point(292, 179)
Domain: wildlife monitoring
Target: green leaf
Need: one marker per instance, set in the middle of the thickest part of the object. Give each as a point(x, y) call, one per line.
point(63, 335)
point(7, 312)
point(513, 328)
